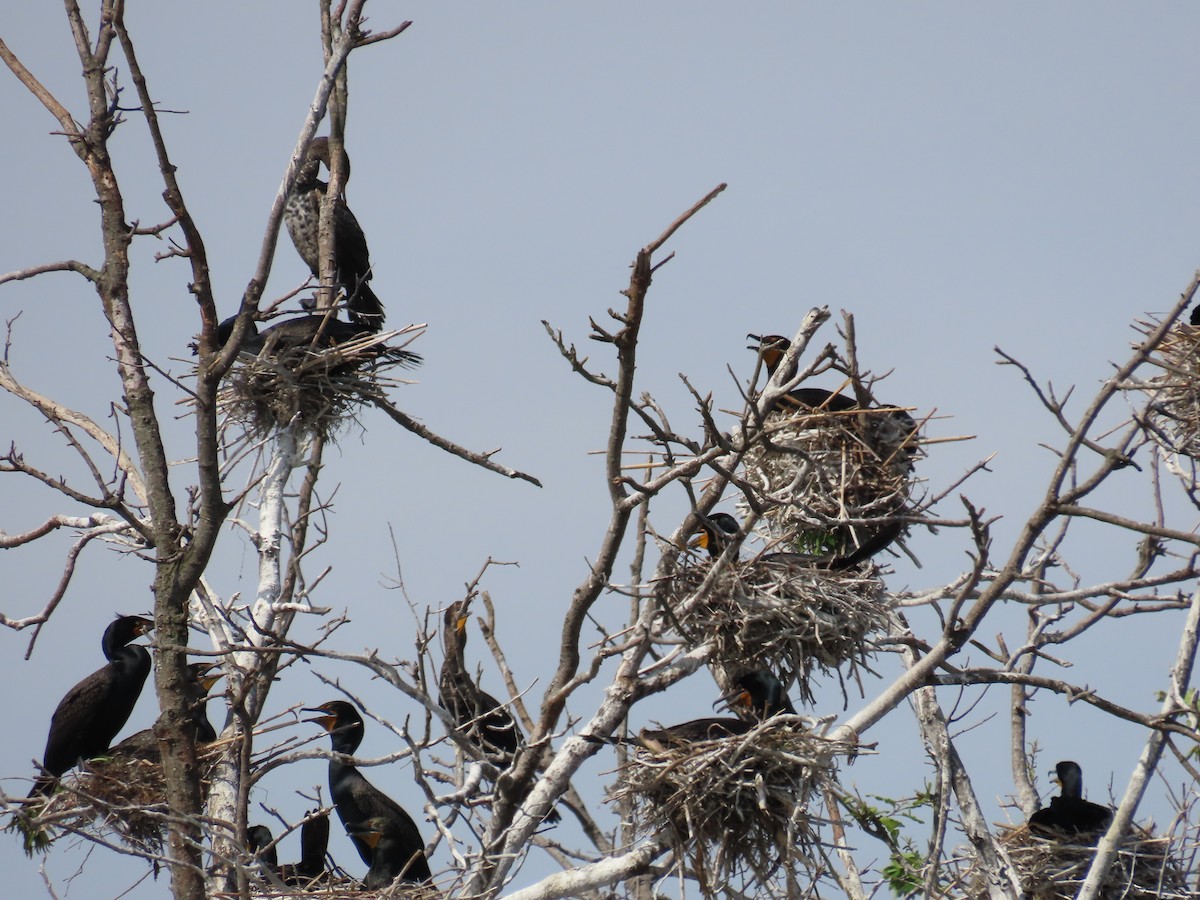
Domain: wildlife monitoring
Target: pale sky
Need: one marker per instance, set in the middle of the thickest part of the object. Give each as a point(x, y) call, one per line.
point(959, 177)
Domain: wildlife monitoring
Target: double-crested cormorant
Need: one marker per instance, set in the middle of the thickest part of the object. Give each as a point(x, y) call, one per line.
point(479, 715)
point(482, 719)
point(715, 534)
point(314, 840)
point(144, 744)
point(890, 431)
point(1069, 812)
point(259, 843)
point(352, 260)
point(90, 715)
point(357, 800)
point(758, 691)
point(1194, 319)
point(312, 332)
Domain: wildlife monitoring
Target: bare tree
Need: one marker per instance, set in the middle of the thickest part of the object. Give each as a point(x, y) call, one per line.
point(823, 484)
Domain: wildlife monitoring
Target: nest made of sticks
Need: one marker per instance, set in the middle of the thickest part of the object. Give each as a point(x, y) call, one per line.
point(1145, 867)
point(323, 388)
point(815, 470)
point(1174, 411)
point(738, 805)
point(793, 620)
point(124, 795)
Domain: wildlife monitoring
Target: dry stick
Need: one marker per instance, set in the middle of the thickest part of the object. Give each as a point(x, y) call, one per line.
point(1181, 675)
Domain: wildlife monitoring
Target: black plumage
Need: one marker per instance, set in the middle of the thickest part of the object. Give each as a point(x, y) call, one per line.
point(144, 744)
point(259, 841)
point(479, 715)
point(352, 260)
point(314, 843)
point(759, 692)
point(891, 432)
point(390, 850)
point(312, 333)
point(720, 528)
point(1069, 812)
point(357, 800)
point(88, 718)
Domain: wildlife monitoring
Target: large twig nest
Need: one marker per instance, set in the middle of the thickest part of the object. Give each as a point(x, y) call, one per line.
point(1055, 869)
point(818, 471)
point(122, 795)
point(323, 388)
point(790, 619)
point(738, 806)
point(1174, 412)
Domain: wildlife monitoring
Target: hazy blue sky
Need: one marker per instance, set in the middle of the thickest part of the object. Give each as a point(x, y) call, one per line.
point(958, 176)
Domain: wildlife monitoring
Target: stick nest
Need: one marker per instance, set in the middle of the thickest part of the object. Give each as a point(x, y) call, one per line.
point(1174, 413)
point(735, 807)
point(323, 388)
point(792, 620)
point(331, 887)
point(816, 470)
point(1050, 869)
point(121, 795)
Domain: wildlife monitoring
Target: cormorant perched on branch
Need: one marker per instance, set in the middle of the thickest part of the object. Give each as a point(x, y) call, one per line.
point(352, 260)
point(721, 528)
point(312, 332)
point(890, 430)
point(144, 744)
point(758, 691)
point(482, 719)
point(90, 715)
point(357, 800)
point(1069, 812)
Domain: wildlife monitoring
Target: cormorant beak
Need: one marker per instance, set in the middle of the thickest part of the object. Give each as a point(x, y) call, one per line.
point(144, 626)
point(736, 699)
point(700, 541)
point(460, 624)
point(328, 721)
point(754, 337)
point(208, 681)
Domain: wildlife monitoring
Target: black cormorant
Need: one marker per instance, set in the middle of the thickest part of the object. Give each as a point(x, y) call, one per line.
point(482, 719)
point(144, 744)
point(314, 842)
point(313, 332)
point(258, 842)
point(90, 715)
point(357, 800)
point(1069, 812)
point(758, 691)
point(891, 432)
point(352, 260)
point(715, 534)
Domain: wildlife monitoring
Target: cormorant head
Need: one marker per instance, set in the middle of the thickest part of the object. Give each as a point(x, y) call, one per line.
point(771, 349)
point(318, 151)
point(258, 839)
point(716, 533)
point(1069, 778)
point(121, 631)
point(338, 718)
point(454, 620)
point(760, 691)
point(202, 674)
point(370, 831)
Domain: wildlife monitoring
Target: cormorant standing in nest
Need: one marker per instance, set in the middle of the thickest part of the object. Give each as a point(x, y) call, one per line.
point(390, 852)
point(890, 431)
point(1069, 812)
point(721, 528)
point(312, 332)
point(259, 843)
point(482, 719)
point(352, 260)
point(758, 691)
point(314, 842)
point(90, 715)
point(144, 744)
point(357, 800)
